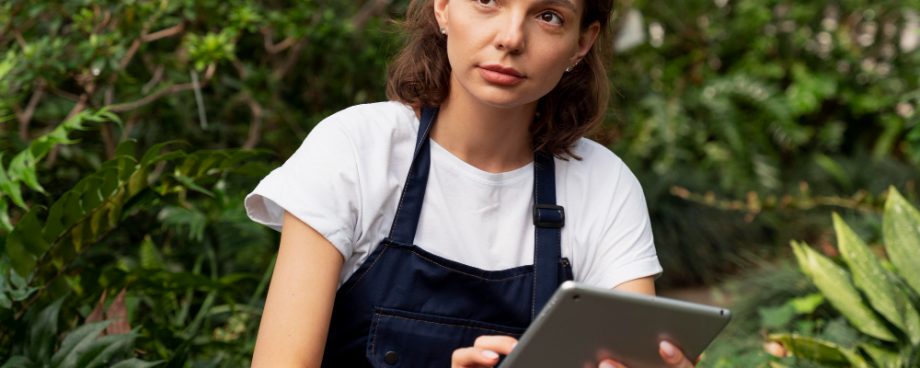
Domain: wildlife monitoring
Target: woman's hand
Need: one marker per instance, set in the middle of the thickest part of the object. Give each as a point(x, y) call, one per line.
point(486, 350)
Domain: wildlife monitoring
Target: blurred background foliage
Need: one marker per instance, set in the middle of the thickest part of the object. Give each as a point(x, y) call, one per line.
point(746, 121)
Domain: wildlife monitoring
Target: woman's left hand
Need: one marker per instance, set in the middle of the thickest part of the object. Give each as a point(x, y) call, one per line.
point(670, 354)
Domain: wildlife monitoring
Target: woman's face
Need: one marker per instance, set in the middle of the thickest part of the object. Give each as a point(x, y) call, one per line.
point(508, 53)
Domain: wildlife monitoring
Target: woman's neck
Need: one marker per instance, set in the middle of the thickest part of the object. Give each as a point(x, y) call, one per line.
point(489, 138)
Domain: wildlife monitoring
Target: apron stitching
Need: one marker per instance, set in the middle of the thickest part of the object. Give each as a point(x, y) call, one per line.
point(368, 270)
point(422, 256)
point(447, 324)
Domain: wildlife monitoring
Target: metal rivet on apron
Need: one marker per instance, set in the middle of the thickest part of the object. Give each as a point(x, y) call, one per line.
point(391, 357)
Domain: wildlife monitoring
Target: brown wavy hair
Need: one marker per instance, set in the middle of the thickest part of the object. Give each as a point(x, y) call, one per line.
point(420, 76)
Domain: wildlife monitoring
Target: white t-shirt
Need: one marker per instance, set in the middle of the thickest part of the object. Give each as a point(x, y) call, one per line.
point(346, 178)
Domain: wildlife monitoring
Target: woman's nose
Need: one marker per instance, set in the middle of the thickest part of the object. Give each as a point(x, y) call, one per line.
point(511, 36)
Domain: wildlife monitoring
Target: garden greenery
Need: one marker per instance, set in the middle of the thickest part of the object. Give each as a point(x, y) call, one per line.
point(131, 130)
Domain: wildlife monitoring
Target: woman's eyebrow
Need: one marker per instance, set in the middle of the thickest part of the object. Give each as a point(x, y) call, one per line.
point(565, 3)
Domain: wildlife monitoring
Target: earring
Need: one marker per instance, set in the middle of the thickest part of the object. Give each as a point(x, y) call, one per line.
point(569, 69)
point(443, 31)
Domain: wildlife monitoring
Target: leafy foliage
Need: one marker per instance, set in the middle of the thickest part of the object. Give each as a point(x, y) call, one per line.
point(749, 100)
point(874, 299)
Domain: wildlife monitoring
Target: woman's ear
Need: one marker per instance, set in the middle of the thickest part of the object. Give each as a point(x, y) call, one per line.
point(440, 13)
point(586, 41)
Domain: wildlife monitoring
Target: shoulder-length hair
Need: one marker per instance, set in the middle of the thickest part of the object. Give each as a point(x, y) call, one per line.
point(420, 76)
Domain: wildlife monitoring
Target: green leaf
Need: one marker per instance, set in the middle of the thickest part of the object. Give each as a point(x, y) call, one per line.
point(137, 181)
point(819, 351)
point(5, 224)
point(18, 361)
point(834, 282)
point(100, 352)
point(75, 342)
point(150, 257)
point(25, 243)
point(136, 363)
point(126, 148)
point(43, 332)
point(883, 358)
point(901, 229)
point(153, 154)
point(808, 303)
point(191, 184)
point(10, 186)
point(22, 168)
point(880, 288)
point(776, 317)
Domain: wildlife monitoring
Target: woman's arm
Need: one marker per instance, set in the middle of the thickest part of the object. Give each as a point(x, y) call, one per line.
point(295, 320)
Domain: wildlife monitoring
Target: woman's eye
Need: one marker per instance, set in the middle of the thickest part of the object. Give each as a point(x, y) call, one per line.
point(486, 2)
point(551, 18)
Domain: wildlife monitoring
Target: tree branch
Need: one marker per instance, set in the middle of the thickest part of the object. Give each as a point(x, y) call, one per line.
point(255, 128)
point(369, 10)
point(25, 117)
point(176, 88)
point(163, 33)
point(274, 48)
point(290, 61)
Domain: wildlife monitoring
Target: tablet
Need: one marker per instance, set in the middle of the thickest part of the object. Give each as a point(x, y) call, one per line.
point(582, 325)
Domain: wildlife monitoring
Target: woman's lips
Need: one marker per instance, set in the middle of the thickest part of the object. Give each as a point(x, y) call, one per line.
point(497, 74)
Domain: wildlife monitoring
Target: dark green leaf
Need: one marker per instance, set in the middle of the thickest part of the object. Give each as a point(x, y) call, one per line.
point(136, 363)
point(43, 332)
point(75, 342)
point(101, 351)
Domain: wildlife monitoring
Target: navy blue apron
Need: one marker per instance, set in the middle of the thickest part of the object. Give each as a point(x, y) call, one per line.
point(405, 307)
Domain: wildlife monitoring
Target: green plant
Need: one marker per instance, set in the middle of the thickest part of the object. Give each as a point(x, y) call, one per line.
point(878, 298)
point(77, 245)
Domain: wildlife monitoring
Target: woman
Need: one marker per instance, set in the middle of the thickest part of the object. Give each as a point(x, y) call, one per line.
point(490, 101)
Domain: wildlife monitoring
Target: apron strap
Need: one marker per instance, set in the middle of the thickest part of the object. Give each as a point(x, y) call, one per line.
point(410, 202)
point(548, 220)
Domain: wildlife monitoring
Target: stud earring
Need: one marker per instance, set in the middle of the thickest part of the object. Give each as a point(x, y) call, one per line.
point(568, 69)
point(443, 31)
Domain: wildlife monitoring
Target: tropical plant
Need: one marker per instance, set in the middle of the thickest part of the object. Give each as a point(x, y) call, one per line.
point(879, 298)
point(71, 246)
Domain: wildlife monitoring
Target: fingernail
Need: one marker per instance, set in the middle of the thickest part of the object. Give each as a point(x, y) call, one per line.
point(668, 349)
point(606, 365)
point(489, 354)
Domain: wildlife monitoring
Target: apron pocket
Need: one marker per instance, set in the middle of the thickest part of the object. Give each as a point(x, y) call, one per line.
point(408, 339)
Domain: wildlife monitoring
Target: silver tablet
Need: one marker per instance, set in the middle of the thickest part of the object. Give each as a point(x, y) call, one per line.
point(581, 325)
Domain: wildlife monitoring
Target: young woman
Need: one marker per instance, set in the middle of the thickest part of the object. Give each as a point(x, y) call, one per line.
point(429, 230)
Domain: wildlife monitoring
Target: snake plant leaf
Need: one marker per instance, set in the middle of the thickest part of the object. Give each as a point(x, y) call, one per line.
point(901, 229)
point(834, 283)
point(820, 351)
point(879, 286)
point(883, 358)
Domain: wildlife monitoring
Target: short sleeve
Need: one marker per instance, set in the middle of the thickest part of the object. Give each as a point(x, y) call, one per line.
point(318, 184)
point(623, 243)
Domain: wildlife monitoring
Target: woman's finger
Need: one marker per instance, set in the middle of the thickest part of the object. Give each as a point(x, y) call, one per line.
point(609, 363)
point(473, 357)
point(496, 343)
point(673, 356)
point(484, 353)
